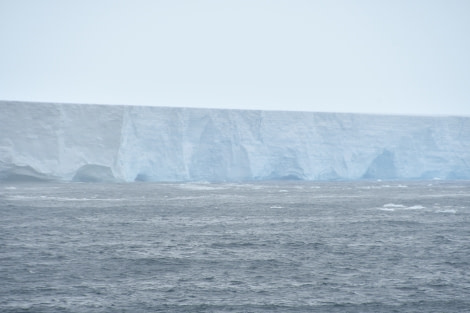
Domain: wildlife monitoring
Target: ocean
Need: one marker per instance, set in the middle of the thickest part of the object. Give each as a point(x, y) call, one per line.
point(366, 246)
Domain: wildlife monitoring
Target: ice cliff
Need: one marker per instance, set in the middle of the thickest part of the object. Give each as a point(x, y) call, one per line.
point(42, 141)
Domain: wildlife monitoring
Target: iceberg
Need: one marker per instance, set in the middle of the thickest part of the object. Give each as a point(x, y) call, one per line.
point(82, 142)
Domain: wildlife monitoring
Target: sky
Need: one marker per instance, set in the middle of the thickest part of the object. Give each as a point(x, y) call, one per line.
point(364, 56)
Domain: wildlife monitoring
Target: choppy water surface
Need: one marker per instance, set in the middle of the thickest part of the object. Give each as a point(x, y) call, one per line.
point(262, 247)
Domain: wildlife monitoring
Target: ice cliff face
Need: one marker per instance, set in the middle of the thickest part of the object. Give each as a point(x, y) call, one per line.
point(128, 143)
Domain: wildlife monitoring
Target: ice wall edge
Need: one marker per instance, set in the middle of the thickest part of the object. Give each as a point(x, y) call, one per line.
point(82, 142)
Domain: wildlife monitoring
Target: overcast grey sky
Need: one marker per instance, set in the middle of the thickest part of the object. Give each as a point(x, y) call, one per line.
point(397, 56)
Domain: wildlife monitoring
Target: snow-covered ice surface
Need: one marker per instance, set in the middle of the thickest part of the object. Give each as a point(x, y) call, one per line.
point(42, 141)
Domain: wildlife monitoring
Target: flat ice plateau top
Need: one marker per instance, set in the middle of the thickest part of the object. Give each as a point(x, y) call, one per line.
point(43, 141)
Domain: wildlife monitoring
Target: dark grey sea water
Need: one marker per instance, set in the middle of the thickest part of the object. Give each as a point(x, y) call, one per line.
point(261, 247)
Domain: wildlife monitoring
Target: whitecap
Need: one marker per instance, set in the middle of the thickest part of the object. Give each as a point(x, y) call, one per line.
point(201, 187)
point(447, 211)
point(371, 187)
point(17, 197)
point(387, 209)
point(415, 207)
point(49, 198)
point(393, 205)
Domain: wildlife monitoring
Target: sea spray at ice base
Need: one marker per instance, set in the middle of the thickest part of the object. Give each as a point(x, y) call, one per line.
point(128, 143)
